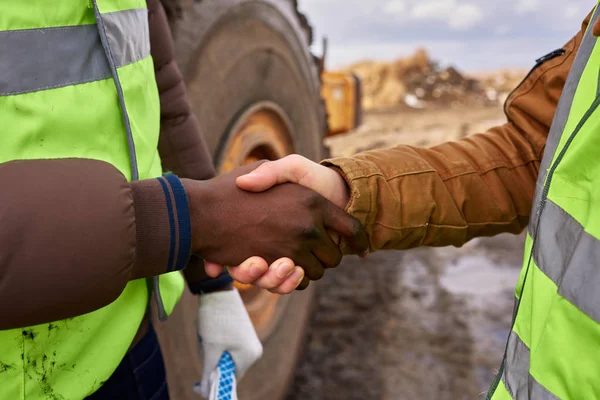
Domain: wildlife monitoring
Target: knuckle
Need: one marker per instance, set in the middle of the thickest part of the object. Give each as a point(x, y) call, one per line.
point(314, 201)
point(310, 232)
point(293, 158)
point(269, 283)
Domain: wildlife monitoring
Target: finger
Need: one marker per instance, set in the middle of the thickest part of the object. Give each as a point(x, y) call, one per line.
point(277, 274)
point(327, 251)
point(287, 169)
point(304, 284)
point(212, 269)
point(291, 282)
point(313, 268)
point(249, 271)
point(347, 226)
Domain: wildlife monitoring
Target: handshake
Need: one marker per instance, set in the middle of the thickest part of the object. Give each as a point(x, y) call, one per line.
point(280, 223)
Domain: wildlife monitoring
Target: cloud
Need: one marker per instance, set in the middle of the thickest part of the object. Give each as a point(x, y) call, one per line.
point(527, 6)
point(458, 16)
point(472, 34)
point(394, 7)
point(465, 16)
point(572, 10)
point(502, 29)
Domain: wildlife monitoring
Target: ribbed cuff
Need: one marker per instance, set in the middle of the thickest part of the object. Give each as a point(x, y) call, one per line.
point(163, 227)
point(211, 285)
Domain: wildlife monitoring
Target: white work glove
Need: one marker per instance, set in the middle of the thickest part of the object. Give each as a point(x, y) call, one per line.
point(226, 334)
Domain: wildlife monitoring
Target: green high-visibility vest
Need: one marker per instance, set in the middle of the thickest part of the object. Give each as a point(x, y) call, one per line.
point(77, 80)
point(553, 351)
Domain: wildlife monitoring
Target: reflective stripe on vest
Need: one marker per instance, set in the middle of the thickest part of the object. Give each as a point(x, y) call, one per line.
point(56, 57)
point(553, 351)
point(72, 88)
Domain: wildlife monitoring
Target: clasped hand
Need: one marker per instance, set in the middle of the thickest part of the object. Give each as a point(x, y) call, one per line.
point(295, 235)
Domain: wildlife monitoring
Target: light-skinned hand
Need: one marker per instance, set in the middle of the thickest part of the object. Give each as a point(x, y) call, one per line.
point(300, 170)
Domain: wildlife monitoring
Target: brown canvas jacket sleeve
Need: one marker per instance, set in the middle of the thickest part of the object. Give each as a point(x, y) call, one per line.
point(73, 233)
point(480, 186)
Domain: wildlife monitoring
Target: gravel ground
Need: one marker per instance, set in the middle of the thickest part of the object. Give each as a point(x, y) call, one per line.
point(419, 324)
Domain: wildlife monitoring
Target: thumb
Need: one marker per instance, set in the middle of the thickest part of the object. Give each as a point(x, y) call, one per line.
point(262, 178)
point(272, 173)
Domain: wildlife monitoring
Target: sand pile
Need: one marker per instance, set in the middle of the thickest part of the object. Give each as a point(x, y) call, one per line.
point(499, 83)
point(417, 81)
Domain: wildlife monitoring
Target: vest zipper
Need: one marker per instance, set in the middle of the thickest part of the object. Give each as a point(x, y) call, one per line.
point(538, 63)
point(543, 201)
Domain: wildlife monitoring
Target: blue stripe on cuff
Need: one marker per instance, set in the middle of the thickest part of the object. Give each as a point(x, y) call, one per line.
point(184, 222)
point(171, 224)
point(211, 284)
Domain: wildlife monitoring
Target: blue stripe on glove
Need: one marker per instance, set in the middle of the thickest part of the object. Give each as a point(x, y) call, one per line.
point(227, 374)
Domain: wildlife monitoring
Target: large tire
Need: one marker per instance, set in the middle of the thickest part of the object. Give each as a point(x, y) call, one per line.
point(235, 54)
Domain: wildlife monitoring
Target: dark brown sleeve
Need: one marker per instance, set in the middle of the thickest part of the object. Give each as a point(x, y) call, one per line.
point(73, 233)
point(480, 186)
point(182, 148)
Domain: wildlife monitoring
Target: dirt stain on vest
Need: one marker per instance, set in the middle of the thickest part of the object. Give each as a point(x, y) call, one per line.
point(42, 371)
point(28, 334)
point(6, 367)
point(41, 368)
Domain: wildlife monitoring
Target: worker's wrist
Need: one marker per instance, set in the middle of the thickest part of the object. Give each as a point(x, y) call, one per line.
point(199, 282)
point(163, 229)
point(221, 283)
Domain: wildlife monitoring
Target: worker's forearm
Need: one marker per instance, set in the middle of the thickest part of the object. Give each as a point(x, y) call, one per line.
point(74, 232)
point(479, 186)
point(442, 196)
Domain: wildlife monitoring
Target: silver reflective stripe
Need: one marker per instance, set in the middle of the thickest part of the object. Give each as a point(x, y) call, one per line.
point(110, 55)
point(539, 392)
point(128, 35)
point(40, 59)
point(570, 257)
point(32, 60)
point(521, 385)
point(562, 114)
point(516, 367)
point(557, 238)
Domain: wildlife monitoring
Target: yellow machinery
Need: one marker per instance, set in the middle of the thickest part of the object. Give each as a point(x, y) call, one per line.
point(342, 94)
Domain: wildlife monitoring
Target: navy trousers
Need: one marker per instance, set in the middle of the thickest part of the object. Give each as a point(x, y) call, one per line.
point(140, 376)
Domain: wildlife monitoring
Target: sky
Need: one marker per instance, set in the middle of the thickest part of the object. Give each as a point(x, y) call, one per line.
point(474, 35)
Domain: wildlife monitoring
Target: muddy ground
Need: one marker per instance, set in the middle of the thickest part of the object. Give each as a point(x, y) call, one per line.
point(420, 324)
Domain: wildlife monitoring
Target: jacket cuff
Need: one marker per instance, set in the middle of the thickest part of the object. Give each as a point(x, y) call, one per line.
point(211, 285)
point(199, 282)
point(163, 227)
point(362, 198)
